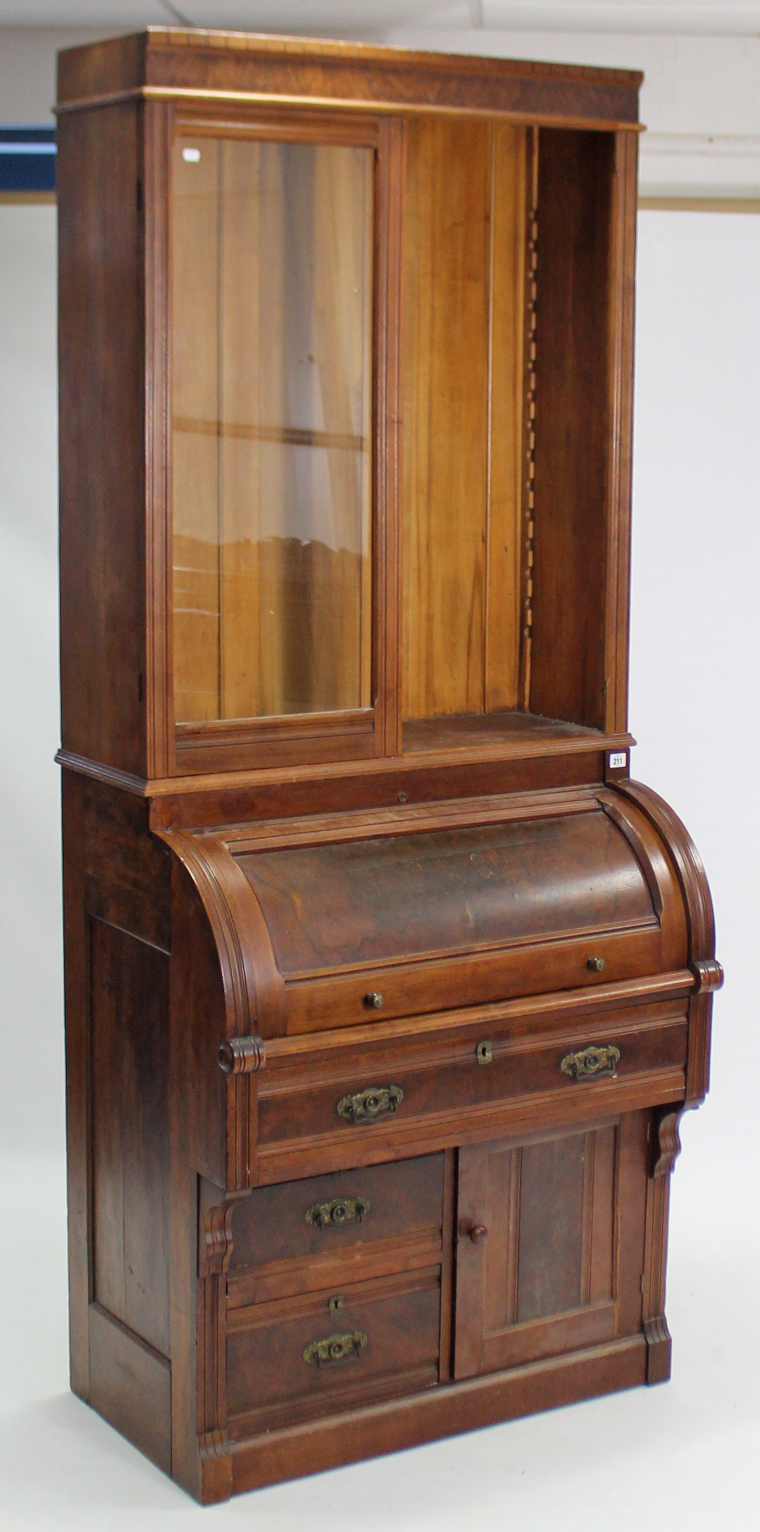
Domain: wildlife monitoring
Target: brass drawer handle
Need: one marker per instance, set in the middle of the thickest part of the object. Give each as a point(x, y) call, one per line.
point(335, 1348)
point(375, 1101)
point(590, 1062)
point(339, 1212)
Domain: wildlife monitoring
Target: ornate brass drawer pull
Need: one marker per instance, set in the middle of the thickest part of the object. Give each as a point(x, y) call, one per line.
point(590, 1062)
point(335, 1348)
point(375, 1101)
point(335, 1214)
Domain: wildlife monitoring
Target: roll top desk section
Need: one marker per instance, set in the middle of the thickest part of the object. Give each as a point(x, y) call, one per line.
point(385, 985)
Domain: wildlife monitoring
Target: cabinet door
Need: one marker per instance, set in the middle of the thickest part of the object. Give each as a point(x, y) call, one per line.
point(550, 1245)
point(278, 281)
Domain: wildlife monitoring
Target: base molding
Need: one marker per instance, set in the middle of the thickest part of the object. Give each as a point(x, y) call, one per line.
point(448, 1410)
point(659, 1347)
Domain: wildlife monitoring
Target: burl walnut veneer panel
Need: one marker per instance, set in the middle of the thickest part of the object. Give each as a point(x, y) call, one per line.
point(446, 891)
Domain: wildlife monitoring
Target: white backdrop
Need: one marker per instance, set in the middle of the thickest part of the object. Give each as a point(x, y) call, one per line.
point(684, 1454)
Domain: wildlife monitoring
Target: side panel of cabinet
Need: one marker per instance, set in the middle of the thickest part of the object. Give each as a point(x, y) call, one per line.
point(129, 999)
point(101, 392)
point(116, 940)
point(560, 1263)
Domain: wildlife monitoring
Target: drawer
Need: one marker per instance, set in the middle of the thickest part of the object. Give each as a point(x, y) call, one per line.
point(397, 1098)
point(327, 1216)
point(296, 1358)
point(477, 978)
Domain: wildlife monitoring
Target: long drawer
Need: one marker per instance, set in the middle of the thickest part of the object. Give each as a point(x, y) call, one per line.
point(357, 1109)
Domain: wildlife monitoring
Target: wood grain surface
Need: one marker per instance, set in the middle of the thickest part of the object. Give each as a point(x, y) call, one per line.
point(345, 544)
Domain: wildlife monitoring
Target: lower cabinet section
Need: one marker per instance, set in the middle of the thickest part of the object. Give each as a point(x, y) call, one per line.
point(351, 1290)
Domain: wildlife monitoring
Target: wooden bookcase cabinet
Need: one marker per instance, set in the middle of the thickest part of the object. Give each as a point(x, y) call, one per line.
point(385, 986)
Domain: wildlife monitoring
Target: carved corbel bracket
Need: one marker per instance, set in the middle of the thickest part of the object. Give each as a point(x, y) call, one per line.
point(217, 1240)
point(665, 1141)
point(215, 1211)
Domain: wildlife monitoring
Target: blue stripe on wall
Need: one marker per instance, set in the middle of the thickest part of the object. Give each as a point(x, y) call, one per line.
point(27, 158)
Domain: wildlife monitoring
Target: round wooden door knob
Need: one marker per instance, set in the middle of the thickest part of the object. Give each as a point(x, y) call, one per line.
point(478, 1233)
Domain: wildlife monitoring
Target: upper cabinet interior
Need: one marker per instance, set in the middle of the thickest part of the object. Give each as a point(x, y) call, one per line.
point(388, 352)
point(468, 387)
point(507, 393)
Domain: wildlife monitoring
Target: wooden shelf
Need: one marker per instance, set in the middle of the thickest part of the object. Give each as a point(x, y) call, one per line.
point(467, 730)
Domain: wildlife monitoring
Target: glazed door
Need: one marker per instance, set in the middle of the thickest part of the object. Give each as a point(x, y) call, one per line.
point(550, 1245)
point(275, 286)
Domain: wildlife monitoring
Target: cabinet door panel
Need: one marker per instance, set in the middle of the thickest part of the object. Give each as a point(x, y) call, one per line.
point(560, 1263)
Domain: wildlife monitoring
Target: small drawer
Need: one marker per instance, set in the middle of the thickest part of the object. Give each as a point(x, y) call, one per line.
point(300, 1357)
point(476, 978)
point(396, 1098)
point(324, 1215)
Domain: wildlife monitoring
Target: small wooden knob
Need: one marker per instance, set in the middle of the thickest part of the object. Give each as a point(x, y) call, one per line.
point(241, 1055)
point(478, 1233)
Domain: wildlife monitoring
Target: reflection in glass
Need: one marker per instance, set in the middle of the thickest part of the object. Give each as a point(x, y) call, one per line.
point(272, 405)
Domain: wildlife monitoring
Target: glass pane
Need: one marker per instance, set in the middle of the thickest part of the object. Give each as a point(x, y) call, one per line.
point(271, 403)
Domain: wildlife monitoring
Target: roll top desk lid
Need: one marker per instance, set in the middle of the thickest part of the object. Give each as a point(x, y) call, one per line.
point(355, 918)
point(395, 898)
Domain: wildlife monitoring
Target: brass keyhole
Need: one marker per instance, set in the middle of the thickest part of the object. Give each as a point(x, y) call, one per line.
point(336, 1303)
